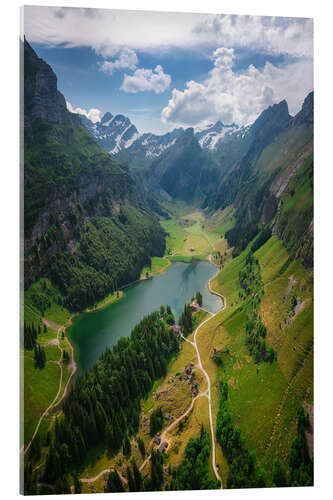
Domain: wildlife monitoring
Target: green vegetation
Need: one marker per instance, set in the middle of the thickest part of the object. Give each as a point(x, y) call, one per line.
point(301, 466)
point(193, 472)
point(155, 482)
point(244, 470)
point(141, 447)
point(105, 402)
point(297, 214)
point(98, 232)
point(158, 265)
point(43, 298)
point(263, 398)
point(109, 299)
point(263, 236)
point(55, 157)
point(39, 391)
point(251, 283)
point(156, 421)
point(193, 235)
point(186, 320)
point(198, 297)
point(39, 356)
point(114, 484)
point(111, 254)
point(29, 336)
point(255, 186)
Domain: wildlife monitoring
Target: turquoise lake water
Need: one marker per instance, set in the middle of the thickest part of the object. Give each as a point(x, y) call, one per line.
point(91, 333)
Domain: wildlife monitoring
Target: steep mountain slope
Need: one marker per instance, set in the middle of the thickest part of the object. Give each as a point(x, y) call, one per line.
point(117, 135)
point(74, 189)
point(258, 184)
point(113, 133)
point(147, 147)
point(231, 147)
point(183, 171)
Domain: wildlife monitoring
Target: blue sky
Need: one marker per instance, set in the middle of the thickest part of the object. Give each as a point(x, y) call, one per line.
point(165, 70)
point(85, 85)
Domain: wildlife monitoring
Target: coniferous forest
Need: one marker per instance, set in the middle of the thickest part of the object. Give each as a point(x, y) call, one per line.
point(167, 301)
point(104, 404)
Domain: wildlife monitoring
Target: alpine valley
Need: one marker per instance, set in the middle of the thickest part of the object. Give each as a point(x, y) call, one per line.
point(213, 389)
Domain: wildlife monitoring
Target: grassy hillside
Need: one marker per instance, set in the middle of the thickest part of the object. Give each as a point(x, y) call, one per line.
point(294, 222)
point(158, 265)
point(193, 234)
point(42, 300)
point(264, 397)
point(274, 185)
point(87, 226)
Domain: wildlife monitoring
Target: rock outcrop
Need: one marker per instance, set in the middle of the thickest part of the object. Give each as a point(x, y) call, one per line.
point(42, 98)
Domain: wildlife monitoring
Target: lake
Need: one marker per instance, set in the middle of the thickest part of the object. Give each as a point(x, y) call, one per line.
point(92, 332)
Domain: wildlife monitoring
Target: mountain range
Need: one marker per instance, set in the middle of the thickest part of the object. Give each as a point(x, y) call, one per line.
point(117, 135)
point(76, 192)
point(251, 168)
point(87, 224)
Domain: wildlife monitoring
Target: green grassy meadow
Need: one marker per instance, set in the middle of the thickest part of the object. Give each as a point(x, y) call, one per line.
point(40, 388)
point(264, 397)
point(191, 234)
point(158, 265)
point(42, 300)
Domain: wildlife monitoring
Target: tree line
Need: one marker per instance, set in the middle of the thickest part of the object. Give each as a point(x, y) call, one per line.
point(104, 404)
point(186, 320)
point(251, 282)
point(110, 253)
point(193, 472)
point(39, 356)
point(245, 471)
point(30, 333)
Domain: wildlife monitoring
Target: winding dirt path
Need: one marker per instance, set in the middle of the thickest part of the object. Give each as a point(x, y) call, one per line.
point(105, 471)
point(55, 404)
point(56, 397)
point(206, 393)
point(171, 426)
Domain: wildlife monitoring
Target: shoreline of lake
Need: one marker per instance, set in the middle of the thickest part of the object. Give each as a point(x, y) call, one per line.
point(91, 334)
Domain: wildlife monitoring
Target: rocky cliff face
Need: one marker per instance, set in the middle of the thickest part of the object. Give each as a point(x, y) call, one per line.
point(183, 170)
point(41, 96)
point(259, 184)
point(147, 148)
point(68, 178)
point(112, 133)
point(306, 113)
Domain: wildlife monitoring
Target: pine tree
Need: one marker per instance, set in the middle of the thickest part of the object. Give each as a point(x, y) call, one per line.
point(141, 447)
point(35, 449)
point(30, 484)
point(126, 446)
point(114, 484)
point(137, 477)
point(77, 484)
point(131, 483)
point(198, 296)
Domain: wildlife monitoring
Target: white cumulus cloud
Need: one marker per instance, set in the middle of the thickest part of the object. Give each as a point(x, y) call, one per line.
point(93, 114)
point(127, 60)
point(293, 36)
point(239, 97)
point(146, 79)
point(107, 31)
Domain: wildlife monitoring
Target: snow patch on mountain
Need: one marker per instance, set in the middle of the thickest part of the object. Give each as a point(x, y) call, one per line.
point(156, 150)
point(210, 136)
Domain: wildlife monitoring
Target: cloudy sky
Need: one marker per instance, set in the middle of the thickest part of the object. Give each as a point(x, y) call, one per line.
point(168, 69)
